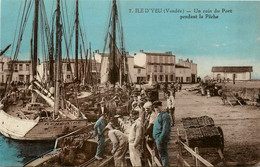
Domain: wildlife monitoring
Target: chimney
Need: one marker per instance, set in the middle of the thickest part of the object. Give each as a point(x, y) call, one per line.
point(134, 54)
point(141, 51)
point(169, 52)
point(191, 61)
point(97, 51)
point(187, 60)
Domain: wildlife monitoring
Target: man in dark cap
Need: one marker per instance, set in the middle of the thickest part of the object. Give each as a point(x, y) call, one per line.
point(161, 132)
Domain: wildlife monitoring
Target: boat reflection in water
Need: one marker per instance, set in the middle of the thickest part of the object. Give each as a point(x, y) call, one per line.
point(16, 153)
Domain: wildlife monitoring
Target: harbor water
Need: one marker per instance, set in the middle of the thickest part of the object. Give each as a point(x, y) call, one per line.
point(17, 153)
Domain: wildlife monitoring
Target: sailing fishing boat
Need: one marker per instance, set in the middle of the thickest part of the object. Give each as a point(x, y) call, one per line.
point(45, 117)
point(115, 69)
point(83, 156)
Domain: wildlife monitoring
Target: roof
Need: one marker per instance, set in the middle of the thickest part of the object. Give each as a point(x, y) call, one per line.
point(158, 54)
point(107, 54)
point(180, 66)
point(232, 69)
point(136, 66)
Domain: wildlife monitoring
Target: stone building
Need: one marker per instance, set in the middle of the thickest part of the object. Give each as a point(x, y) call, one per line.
point(161, 65)
point(186, 71)
point(139, 74)
point(21, 70)
point(68, 70)
point(230, 72)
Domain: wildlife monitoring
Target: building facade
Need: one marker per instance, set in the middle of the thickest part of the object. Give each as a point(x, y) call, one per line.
point(232, 72)
point(186, 71)
point(69, 68)
point(21, 70)
point(160, 65)
point(139, 74)
point(183, 74)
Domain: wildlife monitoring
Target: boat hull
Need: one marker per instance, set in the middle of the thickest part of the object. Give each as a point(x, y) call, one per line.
point(23, 129)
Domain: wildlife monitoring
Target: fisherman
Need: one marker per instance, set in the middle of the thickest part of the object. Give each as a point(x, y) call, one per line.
point(134, 103)
point(135, 140)
point(103, 109)
point(171, 106)
point(98, 130)
point(161, 132)
point(120, 145)
point(173, 88)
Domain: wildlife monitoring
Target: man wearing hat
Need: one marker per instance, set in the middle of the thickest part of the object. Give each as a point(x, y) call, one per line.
point(99, 132)
point(135, 140)
point(103, 109)
point(161, 132)
point(120, 145)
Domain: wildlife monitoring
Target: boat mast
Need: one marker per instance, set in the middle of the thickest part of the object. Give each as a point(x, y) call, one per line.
point(76, 40)
point(51, 62)
point(58, 59)
point(35, 40)
point(113, 73)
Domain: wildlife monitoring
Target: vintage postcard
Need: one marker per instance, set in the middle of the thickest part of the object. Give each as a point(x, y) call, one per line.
point(129, 83)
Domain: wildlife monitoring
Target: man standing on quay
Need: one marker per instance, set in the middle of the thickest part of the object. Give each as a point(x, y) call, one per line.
point(161, 132)
point(99, 132)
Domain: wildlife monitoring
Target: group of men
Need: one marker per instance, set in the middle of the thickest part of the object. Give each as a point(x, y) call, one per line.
point(152, 121)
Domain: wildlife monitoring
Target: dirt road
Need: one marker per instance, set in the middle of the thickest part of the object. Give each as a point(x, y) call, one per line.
point(240, 124)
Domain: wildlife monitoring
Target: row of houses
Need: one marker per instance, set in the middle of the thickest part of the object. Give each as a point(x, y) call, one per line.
point(162, 67)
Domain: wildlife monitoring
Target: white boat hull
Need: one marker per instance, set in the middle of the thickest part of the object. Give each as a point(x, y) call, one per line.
point(23, 129)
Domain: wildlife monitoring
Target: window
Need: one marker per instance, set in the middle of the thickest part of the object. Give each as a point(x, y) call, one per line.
point(166, 59)
point(155, 59)
point(161, 59)
point(2, 78)
point(21, 77)
point(138, 70)
point(27, 67)
point(161, 77)
point(155, 68)
point(244, 75)
point(171, 77)
point(149, 69)
point(20, 67)
point(148, 77)
point(166, 69)
point(9, 66)
point(68, 67)
point(161, 68)
point(27, 78)
point(16, 67)
point(155, 77)
point(166, 78)
point(68, 76)
point(187, 79)
point(2, 67)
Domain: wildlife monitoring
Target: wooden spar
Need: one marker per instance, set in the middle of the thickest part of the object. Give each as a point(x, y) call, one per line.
point(35, 39)
point(85, 68)
point(58, 59)
point(51, 62)
point(95, 68)
point(81, 65)
point(76, 40)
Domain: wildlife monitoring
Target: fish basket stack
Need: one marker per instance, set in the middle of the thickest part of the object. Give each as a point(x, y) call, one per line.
point(201, 132)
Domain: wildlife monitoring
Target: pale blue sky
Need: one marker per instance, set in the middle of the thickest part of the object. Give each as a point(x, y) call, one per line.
point(232, 39)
